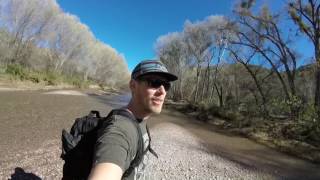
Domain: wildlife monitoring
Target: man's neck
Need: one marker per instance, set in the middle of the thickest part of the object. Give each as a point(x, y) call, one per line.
point(138, 113)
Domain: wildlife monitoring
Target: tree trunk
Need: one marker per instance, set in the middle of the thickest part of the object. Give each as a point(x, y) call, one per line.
point(317, 89)
point(197, 84)
point(219, 92)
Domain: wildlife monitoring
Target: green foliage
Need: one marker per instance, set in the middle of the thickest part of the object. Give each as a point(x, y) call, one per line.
point(306, 128)
point(286, 106)
point(77, 82)
point(220, 112)
point(309, 114)
point(2, 70)
point(52, 79)
point(35, 77)
point(203, 106)
point(17, 71)
point(294, 103)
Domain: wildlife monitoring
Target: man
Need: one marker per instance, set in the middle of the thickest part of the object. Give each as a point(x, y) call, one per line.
point(117, 144)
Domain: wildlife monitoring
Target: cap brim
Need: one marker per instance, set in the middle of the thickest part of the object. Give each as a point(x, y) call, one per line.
point(168, 76)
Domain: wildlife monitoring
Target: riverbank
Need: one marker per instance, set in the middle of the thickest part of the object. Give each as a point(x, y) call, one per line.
point(259, 130)
point(265, 133)
point(187, 149)
point(7, 84)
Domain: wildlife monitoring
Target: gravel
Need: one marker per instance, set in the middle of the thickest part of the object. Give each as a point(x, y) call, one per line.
point(181, 156)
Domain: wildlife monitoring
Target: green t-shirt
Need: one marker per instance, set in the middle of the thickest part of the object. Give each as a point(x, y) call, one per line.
point(117, 143)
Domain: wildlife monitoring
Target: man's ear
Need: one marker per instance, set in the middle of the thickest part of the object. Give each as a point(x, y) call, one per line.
point(132, 85)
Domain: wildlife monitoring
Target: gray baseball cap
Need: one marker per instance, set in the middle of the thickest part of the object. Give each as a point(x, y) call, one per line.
point(152, 67)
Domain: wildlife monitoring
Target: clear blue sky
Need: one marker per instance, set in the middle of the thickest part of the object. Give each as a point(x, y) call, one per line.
point(132, 26)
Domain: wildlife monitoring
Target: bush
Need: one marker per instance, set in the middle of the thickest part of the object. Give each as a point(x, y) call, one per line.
point(17, 71)
point(79, 83)
point(291, 106)
point(306, 128)
point(309, 122)
point(2, 70)
point(52, 79)
point(35, 77)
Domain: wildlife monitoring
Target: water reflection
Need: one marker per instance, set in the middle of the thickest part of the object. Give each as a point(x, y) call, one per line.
point(115, 101)
point(118, 101)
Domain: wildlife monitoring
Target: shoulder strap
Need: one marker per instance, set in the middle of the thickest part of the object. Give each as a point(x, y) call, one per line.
point(149, 146)
point(138, 158)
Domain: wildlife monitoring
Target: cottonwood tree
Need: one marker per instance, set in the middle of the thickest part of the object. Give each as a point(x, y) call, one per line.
point(201, 39)
point(245, 57)
point(25, 20)
point(69, 40)
point(38, 35)
point(193, 51)
point(172, 51)
point(306, 15)
point(198, 40)
point(264, 35)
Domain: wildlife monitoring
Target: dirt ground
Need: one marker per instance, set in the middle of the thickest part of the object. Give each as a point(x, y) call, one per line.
point(33, 120)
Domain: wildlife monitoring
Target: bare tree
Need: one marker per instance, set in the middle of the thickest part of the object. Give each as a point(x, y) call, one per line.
point(245, 61)
point(171, 50)
point(263, 34)
point(198, 40)
point(306, 14)
point(38, 35)
point(201, 39)
point(25, 20)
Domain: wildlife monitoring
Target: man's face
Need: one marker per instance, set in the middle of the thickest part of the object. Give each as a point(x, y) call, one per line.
point(149, 92)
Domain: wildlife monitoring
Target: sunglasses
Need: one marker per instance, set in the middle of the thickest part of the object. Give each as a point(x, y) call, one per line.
point(156, 83)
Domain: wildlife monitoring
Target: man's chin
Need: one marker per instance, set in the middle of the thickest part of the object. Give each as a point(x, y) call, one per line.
point(156, 110)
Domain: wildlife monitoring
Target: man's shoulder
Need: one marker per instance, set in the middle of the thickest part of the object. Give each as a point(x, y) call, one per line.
point(122, 123)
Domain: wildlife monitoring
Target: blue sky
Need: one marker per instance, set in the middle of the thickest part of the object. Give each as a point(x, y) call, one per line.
point(132, 26)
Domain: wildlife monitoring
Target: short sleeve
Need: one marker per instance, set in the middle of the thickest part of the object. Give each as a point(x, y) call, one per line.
point(116, 143)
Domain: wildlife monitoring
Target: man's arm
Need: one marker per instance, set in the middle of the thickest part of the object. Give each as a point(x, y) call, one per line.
point(103, 171)
point(114, 150)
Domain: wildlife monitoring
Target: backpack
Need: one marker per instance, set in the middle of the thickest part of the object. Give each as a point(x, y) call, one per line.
point(78, 145)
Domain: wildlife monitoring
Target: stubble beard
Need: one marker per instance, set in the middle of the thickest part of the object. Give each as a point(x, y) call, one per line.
point(154, 109)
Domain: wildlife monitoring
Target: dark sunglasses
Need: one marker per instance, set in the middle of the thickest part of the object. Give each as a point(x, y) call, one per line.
point(156, 83)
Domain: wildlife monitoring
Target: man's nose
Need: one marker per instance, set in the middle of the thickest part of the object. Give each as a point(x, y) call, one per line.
point(161, 90)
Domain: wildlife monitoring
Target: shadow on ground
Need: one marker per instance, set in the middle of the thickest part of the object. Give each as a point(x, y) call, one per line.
point(20, 174)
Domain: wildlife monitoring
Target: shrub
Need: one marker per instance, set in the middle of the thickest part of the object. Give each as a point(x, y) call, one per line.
point(35, 77)
point(291, 106)
point(17, 71)
point(52, 79)
point(306, 128)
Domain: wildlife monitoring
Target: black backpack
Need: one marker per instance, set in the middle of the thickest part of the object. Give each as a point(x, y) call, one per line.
point(78, 145)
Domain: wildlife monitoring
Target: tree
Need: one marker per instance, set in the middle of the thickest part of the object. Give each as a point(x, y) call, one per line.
point(306, 15)
point(26, 20)
point(263, 34)
point(245, 61)
point(171, 50)
point(202, 39)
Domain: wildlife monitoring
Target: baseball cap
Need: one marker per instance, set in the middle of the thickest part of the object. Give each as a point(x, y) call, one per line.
point(152, 67)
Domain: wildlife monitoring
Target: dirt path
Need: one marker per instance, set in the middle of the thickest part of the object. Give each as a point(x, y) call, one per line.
point(31, 123)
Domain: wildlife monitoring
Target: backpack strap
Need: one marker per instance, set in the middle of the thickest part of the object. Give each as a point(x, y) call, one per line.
point(138, 158)
point(149, 146)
